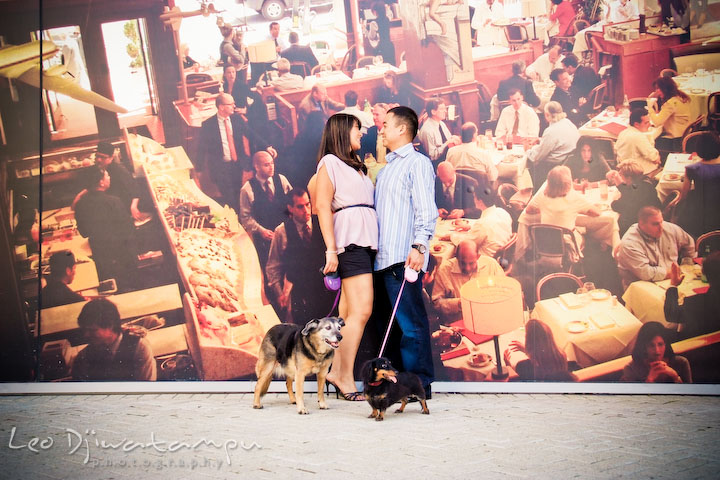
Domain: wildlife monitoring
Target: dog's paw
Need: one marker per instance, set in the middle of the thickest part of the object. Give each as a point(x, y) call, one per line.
point(257, 406)
point(399, 410)
point(379, 418)
point(426, 412)
point(302, 411)
point(322, 406)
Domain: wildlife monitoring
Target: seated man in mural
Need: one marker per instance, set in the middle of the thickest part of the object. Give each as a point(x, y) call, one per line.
point(456, 272)
point(454, 193)
point(650, 247)
point(542, 66)
point(111, 354)
point(294, 252)
point(518, 81)
point(285, 79)
point(518, 118)
point(262, 203)
point(109, 228)
point(62, 274)
point(318, 99)
point(434, 135)
point(469, 155)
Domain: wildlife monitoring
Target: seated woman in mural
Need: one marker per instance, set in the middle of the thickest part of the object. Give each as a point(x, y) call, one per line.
point(546, 362)
point(111, 354)
point(699, 313)
point(587, 163)
point(653, 359)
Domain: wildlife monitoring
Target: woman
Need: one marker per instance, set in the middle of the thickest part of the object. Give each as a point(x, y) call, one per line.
point(584, 163)
point(228, 52)
point(188, 62)
point(699, 313)
point(564, 13)
point(349, 227)
point(700, 191)
point(545, 361)
point(653, 359)
point(636, 191)
point(559, 204)
point(389, 91)
point(673, 116)
point(385, 47)
point(228, 78)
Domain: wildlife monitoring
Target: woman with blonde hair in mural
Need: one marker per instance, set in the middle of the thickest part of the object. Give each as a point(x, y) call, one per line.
point(345, 205)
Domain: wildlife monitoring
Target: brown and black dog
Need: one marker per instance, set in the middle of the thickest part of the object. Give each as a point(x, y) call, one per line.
point(385, 386)
point(296, 353)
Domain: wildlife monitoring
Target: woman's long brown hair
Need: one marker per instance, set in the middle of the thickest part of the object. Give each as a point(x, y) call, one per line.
point(336, 140)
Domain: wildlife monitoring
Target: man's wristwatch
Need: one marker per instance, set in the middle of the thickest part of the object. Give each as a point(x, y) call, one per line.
point(419, 247)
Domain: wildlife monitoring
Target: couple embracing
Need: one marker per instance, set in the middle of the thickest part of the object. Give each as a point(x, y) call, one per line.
point(383, 229)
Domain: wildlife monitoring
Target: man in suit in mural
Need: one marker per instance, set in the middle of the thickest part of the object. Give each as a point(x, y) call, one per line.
point(454, 193)
point(224, 149)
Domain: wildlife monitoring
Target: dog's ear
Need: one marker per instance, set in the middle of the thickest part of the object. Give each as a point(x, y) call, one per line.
point(309, 326)
point(341, 322)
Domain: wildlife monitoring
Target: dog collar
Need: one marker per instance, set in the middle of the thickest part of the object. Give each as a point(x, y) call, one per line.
point(375, 384)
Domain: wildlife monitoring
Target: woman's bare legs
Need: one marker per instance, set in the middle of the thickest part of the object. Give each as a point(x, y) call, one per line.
point(355, 307)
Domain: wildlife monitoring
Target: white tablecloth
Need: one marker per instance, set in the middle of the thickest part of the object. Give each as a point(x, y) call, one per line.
point(374, 70)
point(673, 174)
point(594, 345)
point(698, 87)
point(647, 299)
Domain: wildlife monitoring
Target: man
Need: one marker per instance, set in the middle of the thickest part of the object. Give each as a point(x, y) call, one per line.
point(557, 143)
point(109, 229)
point(651, 246)
point(285, 80)
point(494, 227)
point(262, 203)
point(111, 354)
point(62, 274)
point(299, 53)
point(405, 204)
point(621, 11)
point(540, 69)
point(224, 149)
point(274, 36)
point(518, 81)
point(635, 143)
point(456, 272)
point(352, 108)
point(296, 246)
point(518, 118)
point(258, 68)
point(454, 193)
point(372, 141)
point(318, 99)
point(584, 78)
point(561, 94)
point(434, 135)
point(122, 183)
point(469, 156)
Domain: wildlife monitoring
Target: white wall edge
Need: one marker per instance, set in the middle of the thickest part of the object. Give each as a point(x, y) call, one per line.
point(133, 388)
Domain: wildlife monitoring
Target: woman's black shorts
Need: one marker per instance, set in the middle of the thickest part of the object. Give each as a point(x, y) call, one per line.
point(356, 261)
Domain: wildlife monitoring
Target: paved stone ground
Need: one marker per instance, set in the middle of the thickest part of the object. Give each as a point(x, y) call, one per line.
point(466, 436)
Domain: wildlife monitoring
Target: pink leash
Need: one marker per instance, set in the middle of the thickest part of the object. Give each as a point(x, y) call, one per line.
point(410, 276)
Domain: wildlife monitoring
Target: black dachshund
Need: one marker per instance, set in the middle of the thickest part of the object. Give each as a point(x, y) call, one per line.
point(385, 386)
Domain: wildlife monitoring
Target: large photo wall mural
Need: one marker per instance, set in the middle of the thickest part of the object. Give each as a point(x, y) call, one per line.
point(179, 178)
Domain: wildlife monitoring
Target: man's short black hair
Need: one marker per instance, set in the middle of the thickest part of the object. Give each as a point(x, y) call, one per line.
point(570, 60)
point(406, 116)
point(60, 261)
point(293, 38)
point(100, 313)
point(485, 192)
point(93, 175)
point(555, 74)
point(351, 97)
point(637, 114)
point(296, 192)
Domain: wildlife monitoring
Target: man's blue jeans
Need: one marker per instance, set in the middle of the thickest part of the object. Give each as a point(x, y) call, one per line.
point(412, 319)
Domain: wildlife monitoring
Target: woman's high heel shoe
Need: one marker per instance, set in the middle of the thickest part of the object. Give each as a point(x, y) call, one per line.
point(350, 397)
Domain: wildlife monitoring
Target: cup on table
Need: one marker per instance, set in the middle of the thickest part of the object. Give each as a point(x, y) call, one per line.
point(588, 286)
point(603, 190)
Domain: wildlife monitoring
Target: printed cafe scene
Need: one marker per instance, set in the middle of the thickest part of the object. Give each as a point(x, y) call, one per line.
point(177, 177)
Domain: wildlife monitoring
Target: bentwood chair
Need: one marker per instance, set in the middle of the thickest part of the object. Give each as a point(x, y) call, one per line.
point(692, 141)
point(708, 243)
point(554, 248)
point(506, 254)
point(555, 284)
